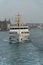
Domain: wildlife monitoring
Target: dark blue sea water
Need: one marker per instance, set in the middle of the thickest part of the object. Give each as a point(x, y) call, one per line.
point(26, 53)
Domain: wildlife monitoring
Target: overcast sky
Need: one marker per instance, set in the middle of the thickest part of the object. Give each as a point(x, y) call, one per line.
point(30, 10)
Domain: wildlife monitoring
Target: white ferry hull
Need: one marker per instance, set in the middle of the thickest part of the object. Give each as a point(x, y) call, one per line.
point(18, 37)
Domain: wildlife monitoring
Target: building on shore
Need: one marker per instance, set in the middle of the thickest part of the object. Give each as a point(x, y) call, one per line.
point(5, 25)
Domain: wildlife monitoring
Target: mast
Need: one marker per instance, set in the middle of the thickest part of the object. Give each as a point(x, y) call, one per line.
point(18, 21)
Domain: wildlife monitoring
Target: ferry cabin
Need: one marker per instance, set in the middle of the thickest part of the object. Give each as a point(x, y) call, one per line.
point(19, 34)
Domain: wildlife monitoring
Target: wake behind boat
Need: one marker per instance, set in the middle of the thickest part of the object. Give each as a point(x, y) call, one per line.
point(19, 32)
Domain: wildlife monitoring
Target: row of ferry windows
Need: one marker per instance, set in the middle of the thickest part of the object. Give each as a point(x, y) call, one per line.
point(16, 32)
point(18, 28)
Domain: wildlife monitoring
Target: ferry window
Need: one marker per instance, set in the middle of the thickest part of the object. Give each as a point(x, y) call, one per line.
point(23, 28)
point(11, 28)
point(24, 32)
point(11, 32)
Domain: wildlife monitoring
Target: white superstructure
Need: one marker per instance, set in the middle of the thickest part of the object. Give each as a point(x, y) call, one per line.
point(18, 33)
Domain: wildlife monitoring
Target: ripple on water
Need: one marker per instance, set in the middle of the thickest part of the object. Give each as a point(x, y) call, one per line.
point(20, 53)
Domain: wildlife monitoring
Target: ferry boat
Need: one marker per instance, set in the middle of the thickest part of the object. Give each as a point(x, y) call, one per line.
point(18, 33)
